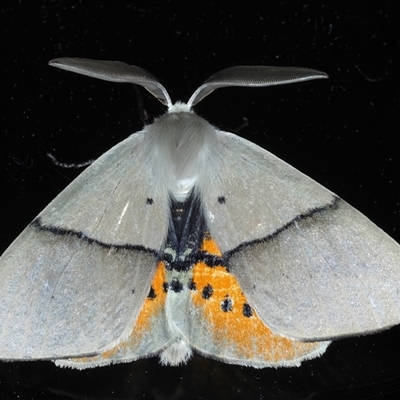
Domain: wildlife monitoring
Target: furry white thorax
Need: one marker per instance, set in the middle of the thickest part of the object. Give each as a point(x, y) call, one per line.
point(183, 150)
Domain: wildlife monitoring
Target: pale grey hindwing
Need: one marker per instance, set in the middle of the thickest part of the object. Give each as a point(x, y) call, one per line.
point(312, 266)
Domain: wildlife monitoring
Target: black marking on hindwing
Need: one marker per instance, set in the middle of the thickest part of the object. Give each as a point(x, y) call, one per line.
point(207, 292)
point(227, 304)
point(152, 294)
point(247, 310)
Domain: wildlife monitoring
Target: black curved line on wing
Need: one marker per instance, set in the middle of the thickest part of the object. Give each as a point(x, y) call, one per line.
point(58, 231)
point(334, 205)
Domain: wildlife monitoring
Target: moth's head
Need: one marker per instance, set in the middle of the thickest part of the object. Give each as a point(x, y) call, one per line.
point(179, 107)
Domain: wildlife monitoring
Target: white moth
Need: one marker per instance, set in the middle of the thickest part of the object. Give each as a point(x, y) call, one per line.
point(185, 237)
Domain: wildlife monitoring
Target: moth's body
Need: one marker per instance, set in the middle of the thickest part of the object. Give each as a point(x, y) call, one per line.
point(185, 237)
point(183, 151)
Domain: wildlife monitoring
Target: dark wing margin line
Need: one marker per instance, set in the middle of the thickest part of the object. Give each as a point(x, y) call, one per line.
point(334, 205)
point(58, 231)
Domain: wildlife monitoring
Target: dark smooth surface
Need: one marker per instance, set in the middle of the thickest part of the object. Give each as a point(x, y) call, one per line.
point(343, 132)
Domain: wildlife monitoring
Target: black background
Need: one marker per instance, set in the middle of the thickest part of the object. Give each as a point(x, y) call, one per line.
point(343, 132)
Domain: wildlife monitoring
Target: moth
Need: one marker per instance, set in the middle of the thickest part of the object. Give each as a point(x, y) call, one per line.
point(183, 237)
